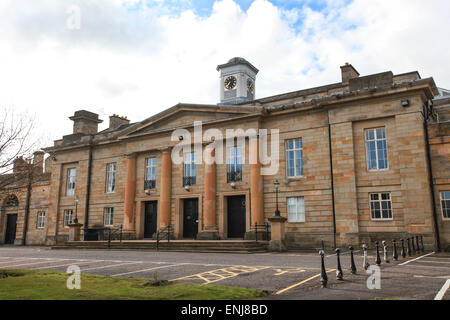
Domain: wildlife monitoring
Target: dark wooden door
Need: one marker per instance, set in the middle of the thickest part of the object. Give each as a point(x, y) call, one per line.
point(190, 219)
point(150, 223)
point(11, 224)
point(236, 216)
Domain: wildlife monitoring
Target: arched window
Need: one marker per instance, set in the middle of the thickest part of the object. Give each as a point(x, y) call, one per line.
point(11, 201)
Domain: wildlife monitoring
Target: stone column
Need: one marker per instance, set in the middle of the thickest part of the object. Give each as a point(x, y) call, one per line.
point(256, 189)
point(130, 192)
point(166, 189)
point(277, 234)
point(210, 231)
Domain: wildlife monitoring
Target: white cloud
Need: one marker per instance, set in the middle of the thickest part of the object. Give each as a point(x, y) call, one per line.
point(137, 60)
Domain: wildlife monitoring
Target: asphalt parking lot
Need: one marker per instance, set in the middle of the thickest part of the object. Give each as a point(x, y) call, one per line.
point(291, 275)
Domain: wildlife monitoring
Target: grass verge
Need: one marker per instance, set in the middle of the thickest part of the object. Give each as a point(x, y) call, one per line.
point(20, 284)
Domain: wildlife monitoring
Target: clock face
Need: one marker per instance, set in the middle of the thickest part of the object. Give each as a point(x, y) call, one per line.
point(250, 85)
point(230, 82)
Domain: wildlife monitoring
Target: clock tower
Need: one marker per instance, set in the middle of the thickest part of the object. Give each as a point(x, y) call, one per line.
point(237, 81)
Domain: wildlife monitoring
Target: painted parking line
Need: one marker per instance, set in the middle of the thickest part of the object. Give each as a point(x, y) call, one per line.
point(300, 283)
point(150, 269)
point(75, 262)
point(443, 290)
point(28, 264)
point(427, 261)
point(221, 274)
point(425, 255)
point(20, 260)
point(111, 266)
point(433, 277)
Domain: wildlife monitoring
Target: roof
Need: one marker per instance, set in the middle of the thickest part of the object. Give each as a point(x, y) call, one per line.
point(236, 61)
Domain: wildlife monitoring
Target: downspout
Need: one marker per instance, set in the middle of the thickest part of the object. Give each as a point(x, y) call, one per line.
point(332, 183)
point(27, 208)
point(88, 194)
point(431, 176)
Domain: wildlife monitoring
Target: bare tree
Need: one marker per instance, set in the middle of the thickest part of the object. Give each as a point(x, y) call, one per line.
point(16, 138)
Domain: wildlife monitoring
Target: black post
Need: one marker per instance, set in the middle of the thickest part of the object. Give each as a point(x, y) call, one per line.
point(403, 253)
point(385, 252)
point(366, 261)
point(409, 248)
point(277, 212)
point(121, 231)
point(413, 246)
point(421, 241)
point(323, 272)
point(378, 261)
point(352, 260)
point(339, 273)
point(395, 255)
point(168, 233)
point(157, 241)
point(417, 243)
point(109, 239)
point(256, 231)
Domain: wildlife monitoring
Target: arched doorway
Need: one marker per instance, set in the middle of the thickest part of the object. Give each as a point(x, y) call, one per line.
point(10, 208)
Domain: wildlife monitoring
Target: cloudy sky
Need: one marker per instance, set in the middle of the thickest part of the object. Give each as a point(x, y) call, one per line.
point(138, 57)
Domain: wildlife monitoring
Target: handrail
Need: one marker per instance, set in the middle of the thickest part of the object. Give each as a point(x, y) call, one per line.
point(112, 231)
point(264, 227)
point(163, 231)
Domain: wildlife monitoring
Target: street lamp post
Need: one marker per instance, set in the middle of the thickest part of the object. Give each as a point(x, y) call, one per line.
point(277, 185)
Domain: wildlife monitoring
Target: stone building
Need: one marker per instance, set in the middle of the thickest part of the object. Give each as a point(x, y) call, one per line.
point(356, 163)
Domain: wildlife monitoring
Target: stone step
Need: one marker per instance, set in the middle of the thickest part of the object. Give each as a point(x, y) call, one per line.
point(184, 246)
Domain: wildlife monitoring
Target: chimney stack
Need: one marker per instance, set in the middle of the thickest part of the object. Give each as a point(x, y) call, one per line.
point(85, 122)
point(116, 120)
point(20, 165)
point(348, 72)
point(38, 161)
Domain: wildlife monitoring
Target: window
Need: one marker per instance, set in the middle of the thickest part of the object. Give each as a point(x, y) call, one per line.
point(71, 177)
point(150, 173)
point(109, 216)
point(445, 204)
point(294, 157)
point(189, 169)
point(41, 219)
point(234, 164)
point(68, 216)
point(296, 209)
point(380, 206)
point(376, 149)
point(111, 178)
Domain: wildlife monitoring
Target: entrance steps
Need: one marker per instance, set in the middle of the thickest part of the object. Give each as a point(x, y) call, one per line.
point(231, 246)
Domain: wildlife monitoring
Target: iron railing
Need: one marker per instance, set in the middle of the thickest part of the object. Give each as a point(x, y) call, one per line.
point(189, 181)
point(163, 234)
point(233, 176)
point(149, 184)
point(112, 232)
point(263, 229)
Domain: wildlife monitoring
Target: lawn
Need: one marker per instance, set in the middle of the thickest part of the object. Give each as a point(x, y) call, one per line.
point(21, 284)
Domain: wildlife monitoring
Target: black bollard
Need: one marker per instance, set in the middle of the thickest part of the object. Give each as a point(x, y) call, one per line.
point(421, 241)
point(366, 263)
point(409, 248)
point(323, 272)
point(403, 253)
point(352, 261)
point(339, 273)
point(378, 261)
point(413, 246)
point(417, 244)
point(385, 252)
point(394, 254)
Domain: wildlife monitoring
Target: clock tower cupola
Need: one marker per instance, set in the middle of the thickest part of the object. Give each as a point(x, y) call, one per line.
point(237, 81)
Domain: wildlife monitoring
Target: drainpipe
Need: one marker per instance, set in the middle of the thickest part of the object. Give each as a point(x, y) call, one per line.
point(88, 194)
point(332, 183)
point(27, 208)
point(431, 176)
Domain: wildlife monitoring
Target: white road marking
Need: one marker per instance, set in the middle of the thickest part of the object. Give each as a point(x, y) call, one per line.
point(443, 290)
point(144, 270)
point(110, 266)
point(433, 277)
point(26, 264)
point(425, 255)
point(77, 262)
point(427, 261)
point(20, 260)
